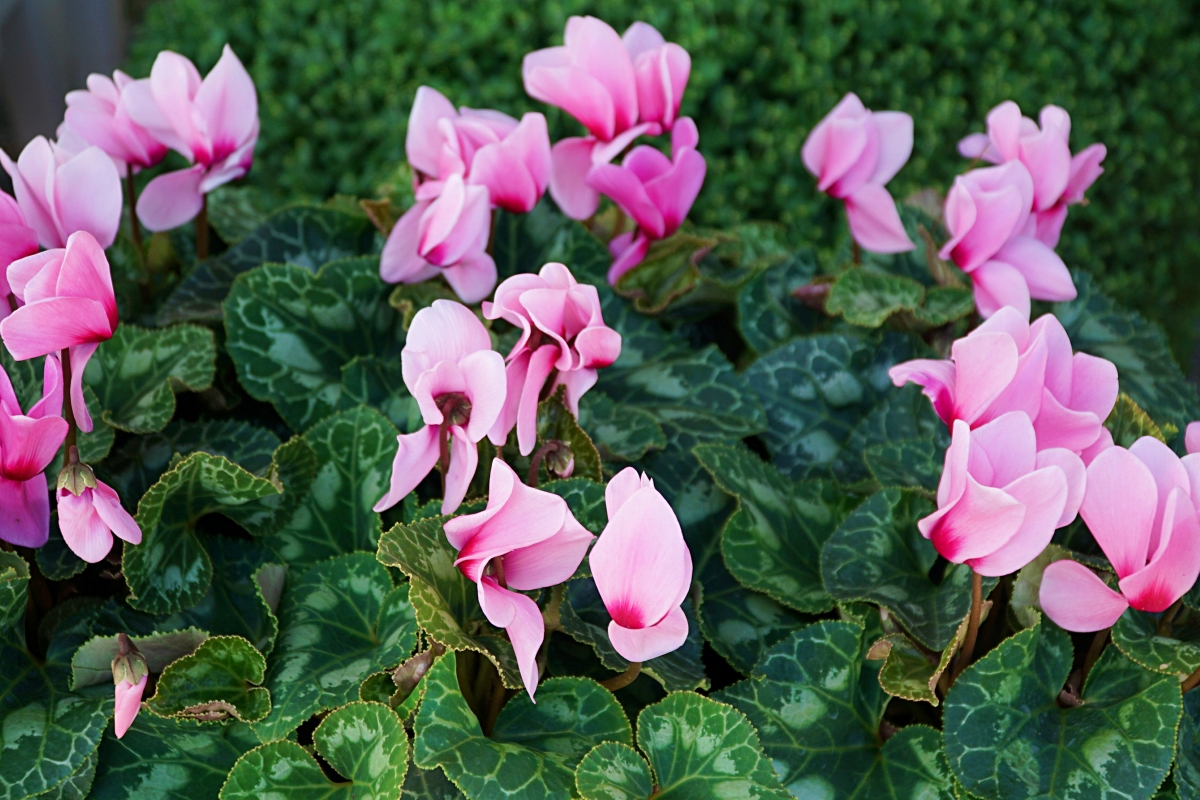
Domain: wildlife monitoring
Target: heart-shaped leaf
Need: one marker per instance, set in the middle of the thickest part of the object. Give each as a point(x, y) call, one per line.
point(221, 679)
point(570, 717)
point(1187, 753)
point(1172, 648)
point(769, 313)
point(867, 298)
point(339, 621)
point(14, 587)
point(620, 433)
point(1008, 737)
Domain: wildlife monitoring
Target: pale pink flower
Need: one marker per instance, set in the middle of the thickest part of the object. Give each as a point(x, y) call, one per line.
point(28, 443)
point(98, 116)
point(525, 539)
point(853, 152)
point(67, 303)
point(128, 701)
point(62, 192)
point(1140, 507)
point(562, 334)
point(643, 569)
point(1000, 498)
point(458, 382)
point(89, 520)
point(1191, 439)
point(212, 122)
point(17, 240)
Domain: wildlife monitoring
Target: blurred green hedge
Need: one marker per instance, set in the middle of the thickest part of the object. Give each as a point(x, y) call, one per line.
point(336, 78)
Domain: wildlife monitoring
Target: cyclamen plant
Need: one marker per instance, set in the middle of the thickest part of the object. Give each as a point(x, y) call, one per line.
point(445, 493)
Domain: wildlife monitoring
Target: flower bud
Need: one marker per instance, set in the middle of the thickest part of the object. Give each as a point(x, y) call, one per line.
point(129, 665)
point(76, 477)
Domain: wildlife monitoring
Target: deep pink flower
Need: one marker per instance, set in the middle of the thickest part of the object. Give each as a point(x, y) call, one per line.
point(98, 116)
point(61, 192)
point(67, 303)
point(212, 122)
point(1139, 507)
point(1006, 365)
point(525, 539)
point(89, 521)
point(662, 69)
point(28, 443)
point(128, 697)
point(1000, 499)
point(853, 152)
point(448, 236)
point(655, 191)
point(458, 382)
point(642, 568)
point(562, 333)
point(989, 216)
point(1059, 179)
point(17, 240)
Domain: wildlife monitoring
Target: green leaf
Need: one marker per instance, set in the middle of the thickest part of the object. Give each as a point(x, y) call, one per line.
point(908, 671)
point(817, 705)
point(670, 272)
point(171, 570)
point(446, 603)
point(55, 558)
point(912, 464)
point(136, 373)
point(879, 556)
point(739, 623)
point(305, 236)
point(769, 313)
point(571, 716)
point(525, 242)
point(585, 619)
point(354, 451)
point(700, 749)
point(773, 540)
point(448, 736)
point(14, 587)
point(409, 298)
point(1024, 604)
point(815, 390)
point(292, 334)
point(1187, 754)
point(428, 784)
point(867, 298)
point(169, 759)
point(364, 742)
point(585, 498)
point(614, 771)
point(1149, 373)
point(900, 442)
point(235, 211)
point(1175, 650)
point(944, 304)
point(620, 433)
point(1128, 422)
point(91, 663)
point(79, 784)
point(555, 421)
point(338, 622)
point(1007, 737)
point(212, 683)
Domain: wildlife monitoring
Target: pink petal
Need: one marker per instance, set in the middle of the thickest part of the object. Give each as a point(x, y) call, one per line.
point(1174, 568)
point(1076, 474)
point(25, 511)
point(1048, 159)
point(1058, 355)
point(423, 141)
point(1024, 392)
point(517, 170)
point(641, 563)
point(228, 104)
point(171, 199)
point(399, 262)
point(874, 221)
point(82, 528)
point(514, 381)
point(662, 76)
point(974, 145)
point(1044, 272)
point(1168, 473)
point(1085, 168)
point(985, 364)
point(521, 617)
point(628, 257)
point(1044, 495)
point(1077, 600)
point(445, 331)
point(79, 356)
point(640, 37)
point(936, 379)
point(551, 561)
point(1058, 426)
point(684, 135)
point(464, 459)
point(570, 162)
point(837, 142)
point(577, 381)
point(1049, 225)
point(445, 377)
point(85, 273)
point(87, 196)
point(983, 209)
point(998, 285)
point(604, 152)
point(643, 644)
point(109, 509)
point(622, 487)
point(598, 346)
point(35, 277)
point(51, 325)
point(29, 445)
point(674, 193)
point(581, 95)
point(473, 277)
point(1192, 437)
point(52, 390)
point(895, 143)
point(597, 50)
point(517, 516)
point(1004, 129)
point(174, 81)
point(1191, 463)
point(981, 521)
point(1103, 443)
point(30, 175)
point(486, 385)
point(1003, 450)
point(541, 363)
point(628, 192)
point(139, 103)
point(416, 455)
point(127, 704)
point(1094, 384)
point(1119, 508)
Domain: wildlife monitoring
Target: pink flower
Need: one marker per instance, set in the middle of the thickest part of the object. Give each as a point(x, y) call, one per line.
point(853, 152)
point(988, 214)
point(642, 568)
point(68, 303)
point(89, 521)
point(61, 192)
point(1059, 179)
point(1139, 507)
point(1191, 438)
point(488, 148)
point(656, 191)
point(17, 240)
point(619, 88)
point(458, 382)
point(99, 117)
point(525, 539)
point(28, 443)
point(1000, 499)
point(1006, 365)
point(128, 701)
point(447, 236)
point(213, 123)
point(562, 333)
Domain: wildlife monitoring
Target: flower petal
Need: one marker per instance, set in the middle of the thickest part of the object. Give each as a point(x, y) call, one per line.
point(1119, 508)
point(416, 455)
point(522, 619)
point(422, 140)
point(541, 364)
point(643, 644)
point(87, 195)
point(128, 701)
point(570, 162)
point(551, 561)
point(171, 199)
point(464, 460)
point(82, 528)
point(445, 331)
point(985, 364)
point(1168, 473)
point(875, 222)
point(473, 277)
point(1076, 473)
point(980, 522)
point(25, 511)
point(48, 326)
point(895, 143)
point(1044, 494)
point(1174, 568)
point(998, 285)
point(1077, 600)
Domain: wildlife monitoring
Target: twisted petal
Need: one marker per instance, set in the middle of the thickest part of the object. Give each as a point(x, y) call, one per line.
point(1119, 508)
point(416, 455)
point(522, 619)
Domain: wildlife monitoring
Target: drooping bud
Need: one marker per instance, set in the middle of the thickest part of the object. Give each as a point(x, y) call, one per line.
point(129, 665)
point(560, 462)
point(75, 476)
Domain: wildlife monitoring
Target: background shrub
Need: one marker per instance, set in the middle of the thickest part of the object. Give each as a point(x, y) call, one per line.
point(336, 79)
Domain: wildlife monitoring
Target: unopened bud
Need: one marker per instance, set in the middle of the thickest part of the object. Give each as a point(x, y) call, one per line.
point(76, 477)
point(129, 665)
point(560, 462)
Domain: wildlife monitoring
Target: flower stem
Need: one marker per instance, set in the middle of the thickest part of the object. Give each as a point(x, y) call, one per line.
point(968, 648)
point(624, 679)
point(444, 452)
point(1168, 617)
point(134, 228)
point(68, 408)
point(536, 462)
point(202, 230)
point(1093, 654)
point(1190, 682)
